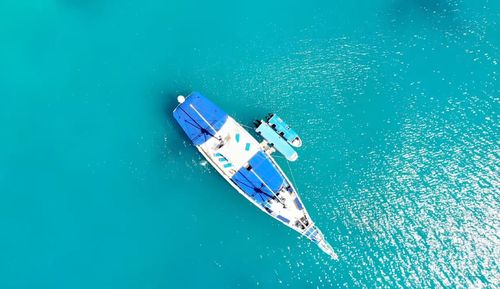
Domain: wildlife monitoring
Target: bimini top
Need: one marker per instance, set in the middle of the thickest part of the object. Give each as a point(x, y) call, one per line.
point(199, 118)
point(261, 180)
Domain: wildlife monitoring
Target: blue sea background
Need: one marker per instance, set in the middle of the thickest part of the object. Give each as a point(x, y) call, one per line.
point(397, 102)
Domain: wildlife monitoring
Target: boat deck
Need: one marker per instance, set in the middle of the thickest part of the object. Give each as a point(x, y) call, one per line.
point(246, 164)
point(234, 151)
point(240, 158)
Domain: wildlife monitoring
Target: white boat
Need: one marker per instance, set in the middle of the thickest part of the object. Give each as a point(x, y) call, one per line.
point(246, 164)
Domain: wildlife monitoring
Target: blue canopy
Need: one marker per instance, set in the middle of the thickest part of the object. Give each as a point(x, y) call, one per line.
point(199, 118)
point(261, 181)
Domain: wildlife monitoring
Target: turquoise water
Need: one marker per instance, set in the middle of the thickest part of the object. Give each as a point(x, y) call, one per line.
point(396, 101)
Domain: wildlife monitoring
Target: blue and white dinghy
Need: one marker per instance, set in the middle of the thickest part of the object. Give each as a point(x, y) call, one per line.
point(246, 164)
point(275, 141)
point(284, 130)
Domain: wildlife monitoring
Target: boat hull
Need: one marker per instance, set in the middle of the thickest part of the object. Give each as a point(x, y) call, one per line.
point(246, 165)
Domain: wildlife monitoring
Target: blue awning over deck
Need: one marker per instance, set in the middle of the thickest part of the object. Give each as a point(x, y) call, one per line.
point(261, 181)
point(199, 118)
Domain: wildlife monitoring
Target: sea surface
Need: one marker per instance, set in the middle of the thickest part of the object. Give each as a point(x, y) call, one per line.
point(397, 102)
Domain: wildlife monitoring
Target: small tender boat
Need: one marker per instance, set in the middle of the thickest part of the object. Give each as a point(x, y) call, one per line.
point(245, 164)
point(275, 141)
point(284, 130)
